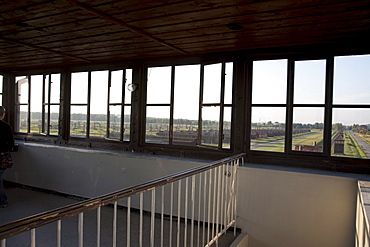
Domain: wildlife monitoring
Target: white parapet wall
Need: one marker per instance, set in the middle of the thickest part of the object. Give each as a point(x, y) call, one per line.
point(88, 173)
point(276, 207)
point(282, 207)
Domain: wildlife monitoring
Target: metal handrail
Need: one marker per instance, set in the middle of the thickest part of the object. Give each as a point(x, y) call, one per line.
point(38, 220)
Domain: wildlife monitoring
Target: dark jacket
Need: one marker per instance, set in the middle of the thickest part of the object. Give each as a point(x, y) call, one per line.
point(6, 137)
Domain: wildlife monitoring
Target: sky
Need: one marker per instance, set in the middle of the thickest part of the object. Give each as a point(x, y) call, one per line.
point(351, 86)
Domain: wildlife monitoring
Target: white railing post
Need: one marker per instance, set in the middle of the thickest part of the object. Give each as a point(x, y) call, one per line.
point(98, 226)
point(186, 210)
point(141, 221)
point(80, 230)
point(33, 237)
point(171, 211)
point(128, 225)
point(59, 233)
point(152, 218)
point(192, 210)
point(162, 214)
point(114, 236)
point(178, 212)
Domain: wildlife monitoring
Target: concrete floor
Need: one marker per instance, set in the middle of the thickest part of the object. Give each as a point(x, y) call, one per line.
point(24, 202)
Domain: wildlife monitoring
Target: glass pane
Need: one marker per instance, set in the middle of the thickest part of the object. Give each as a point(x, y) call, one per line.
point(228, 83)
point(351, 133)
point(22, 82)
point(45, 122)
point(79, 87)
point(309, 82)
point(268, 129)
point(186, 96)
point(116, 87)
point(227, 128)
point(269, 82)
point(157, 124)
point(54, 119)
point(23, 119)
point(78, 121)
point(186, 105)
point(98, 127)
point(128, 81)
point(115, 122)
point(185, 132)
point(212, 83)
point(210, 126)
point(36, 103)
point(159, 85)
point(127, 123)
point(55, 89)
point(308, 129)
point(98, 105)
point(352, 80)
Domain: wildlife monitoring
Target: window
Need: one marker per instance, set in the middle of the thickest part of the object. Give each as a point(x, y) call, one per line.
point(308, 108)
point(22, 104)
point(189, 105)
point(119, 105)
point(98, 103)
point(79, 104)
point(37, 104)
point(351, 107)
point(101, 104)
point(269, 89)
point(293, 101)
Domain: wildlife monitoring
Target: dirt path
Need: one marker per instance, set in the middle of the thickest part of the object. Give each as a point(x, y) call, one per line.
point(363, 145)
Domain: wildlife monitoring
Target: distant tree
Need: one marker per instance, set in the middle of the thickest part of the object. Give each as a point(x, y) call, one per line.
point(337, 127)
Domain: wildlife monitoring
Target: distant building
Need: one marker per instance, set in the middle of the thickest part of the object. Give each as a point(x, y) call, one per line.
point(338, 143)
point(309, 148)
point(363, 128)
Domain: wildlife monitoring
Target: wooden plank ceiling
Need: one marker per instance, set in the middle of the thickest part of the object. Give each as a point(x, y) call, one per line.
point(39, 34)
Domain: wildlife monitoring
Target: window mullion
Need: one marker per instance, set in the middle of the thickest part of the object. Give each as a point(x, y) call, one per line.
point(43, 103)
point(289, 108)
point(222, 100)
point(108, 105)
point(88, 106)
point(328, 105)
point(29, 105)
point(170, 134)
point(122, 129)
point(201, 89)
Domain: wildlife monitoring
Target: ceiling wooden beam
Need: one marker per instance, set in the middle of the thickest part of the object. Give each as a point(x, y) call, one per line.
point(42, 49)
point(123, 24)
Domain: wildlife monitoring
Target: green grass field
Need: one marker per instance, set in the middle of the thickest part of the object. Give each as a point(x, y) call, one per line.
point(309, 139)
point(276, 143)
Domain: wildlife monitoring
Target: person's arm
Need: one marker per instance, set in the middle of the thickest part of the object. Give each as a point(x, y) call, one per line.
point(9, 137)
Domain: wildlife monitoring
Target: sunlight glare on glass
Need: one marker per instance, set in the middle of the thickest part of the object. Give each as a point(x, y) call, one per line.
point(269, 82)
point(352, 80)
point(309, 82)
point(186, 97)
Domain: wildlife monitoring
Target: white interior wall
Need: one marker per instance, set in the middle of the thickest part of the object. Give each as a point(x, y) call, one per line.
point(294, 207)
point(277, 207)
point(86, 172)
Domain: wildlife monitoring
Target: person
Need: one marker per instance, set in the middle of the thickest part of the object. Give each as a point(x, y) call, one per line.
point(6, 143)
